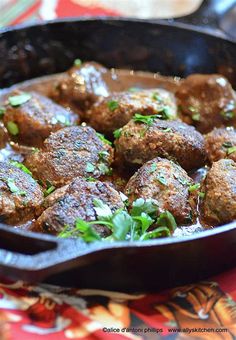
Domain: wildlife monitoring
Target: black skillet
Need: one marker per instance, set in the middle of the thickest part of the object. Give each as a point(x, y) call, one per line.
point(170, 47)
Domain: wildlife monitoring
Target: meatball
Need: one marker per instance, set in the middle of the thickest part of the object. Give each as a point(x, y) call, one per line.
point(82, 85)
point(31, 117)
point(219, 203)
point(207, 101)
point(221, 143)
point(21, 196)
point(113, 112)
point(68, 153)
point(139, 142)
point(168, 184)
point(4, 138)
point(78, 202)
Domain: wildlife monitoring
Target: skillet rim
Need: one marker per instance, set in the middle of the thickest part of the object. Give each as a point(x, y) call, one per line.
point(214, 33)
point(217, 33)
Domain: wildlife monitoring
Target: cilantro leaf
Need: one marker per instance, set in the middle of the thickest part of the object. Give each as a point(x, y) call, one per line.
point(20, 99)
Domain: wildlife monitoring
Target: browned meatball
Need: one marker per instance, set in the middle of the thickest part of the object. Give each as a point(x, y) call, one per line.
point(20, 195)
point(113, 112)
point(82, 85)
point(168, 184)
point(139, 142)
point(33, 120)
point(221, 143)
point(78, 202)
point(207, 101)
point(68, 153)
point(3, 135)
point(219, 204)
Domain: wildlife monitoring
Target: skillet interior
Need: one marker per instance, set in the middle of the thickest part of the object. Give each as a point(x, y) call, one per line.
point(170, 49)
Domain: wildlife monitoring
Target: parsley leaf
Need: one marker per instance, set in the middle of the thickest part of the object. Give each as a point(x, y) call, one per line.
point(90, 167)
point(21, 166)
point(103, 139)
point(194, 187)
point(20, 99)
point(13, 128)
point(13, 188)
point(77, 62)
point(124, 226)
point(112, 105)
point(117, 133)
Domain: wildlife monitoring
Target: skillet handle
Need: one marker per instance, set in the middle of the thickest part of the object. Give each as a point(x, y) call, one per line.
point(32, 256)
point(208, 14)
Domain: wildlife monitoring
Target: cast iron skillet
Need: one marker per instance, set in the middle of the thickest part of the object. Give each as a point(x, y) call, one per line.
point(172, 48)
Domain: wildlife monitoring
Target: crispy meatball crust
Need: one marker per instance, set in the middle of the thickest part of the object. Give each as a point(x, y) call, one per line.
point(37, 118)
point(207, 101)
point(168, 184)
point(68, 153)
point(82, 85)
point(174, 140)
point(77, 202)
point(20, 195)
point(4, 137)
point(221, 143)
point(219, 204)
point(105, 117)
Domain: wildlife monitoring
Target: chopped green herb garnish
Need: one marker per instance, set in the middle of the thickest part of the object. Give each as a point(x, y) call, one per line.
point(124, 226)
point(90, 179)
point(193, 109)
point(145, 119)
point(133, 89)
point(77, 62)
point(22, 167)
point(167, 130)
point(142, 132)
point(227, 115)
point(161, 178)
point(49, 190)
point(227, 145)
point(231, 150)
point(112, 105)
point(153, 167)
point(13, 128)
point(201, 194)
point(196, 117)
point(105, 170)
point(13, 188)
point(34, 150)
point(167, 219)
point(2, 111)
point(103, 139)
point(157, 97)
point(61, 119)
point(194, 187)
point(90, 167)
point(117, 133)
point(19, 99)
point(103, 155)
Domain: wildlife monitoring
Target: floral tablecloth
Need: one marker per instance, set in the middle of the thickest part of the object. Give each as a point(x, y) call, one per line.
point(204, 310)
